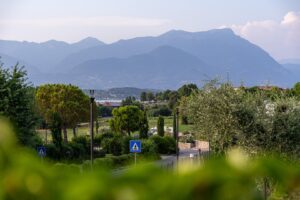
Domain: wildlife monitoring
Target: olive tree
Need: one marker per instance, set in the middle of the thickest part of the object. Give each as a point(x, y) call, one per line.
point(68, 101)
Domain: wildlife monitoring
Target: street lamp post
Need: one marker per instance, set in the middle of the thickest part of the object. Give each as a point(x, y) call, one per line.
point(177, 135)
point(92, 98)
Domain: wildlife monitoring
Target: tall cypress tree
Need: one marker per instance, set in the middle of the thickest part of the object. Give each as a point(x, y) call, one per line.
point(160, 126)
point(144, 126)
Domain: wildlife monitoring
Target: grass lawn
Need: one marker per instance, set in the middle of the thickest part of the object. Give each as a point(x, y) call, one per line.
point(169, 123)
point(83, 129)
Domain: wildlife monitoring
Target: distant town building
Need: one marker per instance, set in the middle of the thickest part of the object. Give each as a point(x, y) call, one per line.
point(109, 103)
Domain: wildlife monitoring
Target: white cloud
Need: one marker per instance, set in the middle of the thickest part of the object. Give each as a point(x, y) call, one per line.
point(280, 38)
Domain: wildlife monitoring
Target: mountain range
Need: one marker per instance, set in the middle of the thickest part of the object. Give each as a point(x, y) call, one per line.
point(166, 61)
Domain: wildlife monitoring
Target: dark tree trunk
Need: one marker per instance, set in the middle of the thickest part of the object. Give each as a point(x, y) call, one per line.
point(65, 135)
point(46, 137)
point(74, 132)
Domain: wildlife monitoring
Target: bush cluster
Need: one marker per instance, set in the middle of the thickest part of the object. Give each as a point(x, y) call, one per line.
point(165, 145)
point(109, 162)
point(160, 111)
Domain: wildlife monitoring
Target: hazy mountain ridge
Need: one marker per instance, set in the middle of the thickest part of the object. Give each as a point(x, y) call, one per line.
point(44, 55)
point(164, 67)
point(165, 61)
point(294, 68)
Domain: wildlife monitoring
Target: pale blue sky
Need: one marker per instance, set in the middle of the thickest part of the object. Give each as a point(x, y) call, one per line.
point(111, 20)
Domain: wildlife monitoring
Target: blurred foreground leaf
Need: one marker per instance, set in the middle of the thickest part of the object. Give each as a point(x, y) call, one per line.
point(24, 176)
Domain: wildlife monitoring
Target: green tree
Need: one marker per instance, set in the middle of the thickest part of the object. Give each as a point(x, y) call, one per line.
point(131, 101)
point(55, 126)
point(173, 99)
point(126, 119)
point(183, 111)
point(128, 101)
point(296, 89)
point(105, 111)
point(150, 96)
point(144, 126)
point(212, 113)
point(186, 90)
point(17, 103)
point(68, 101)
point(160, 126)
point(143, 96)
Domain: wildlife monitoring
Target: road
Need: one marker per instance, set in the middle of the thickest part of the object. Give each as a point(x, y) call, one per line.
point(167, 161)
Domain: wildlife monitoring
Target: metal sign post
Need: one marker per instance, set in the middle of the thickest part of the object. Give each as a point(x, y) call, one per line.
point(135, 146)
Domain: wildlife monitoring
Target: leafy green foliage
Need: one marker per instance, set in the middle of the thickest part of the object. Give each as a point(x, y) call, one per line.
point(165, 145)
point(253, 120)
point(187, 90)
point(144, 126)
point(236, 176)
point(104, 111)
point(160, 110)
point(143, 96)
point(160, 126)
point(68, 101)
point(55, 127)
point(17, 104)
point(131, 101)
point(126, 119)
point(296, 89)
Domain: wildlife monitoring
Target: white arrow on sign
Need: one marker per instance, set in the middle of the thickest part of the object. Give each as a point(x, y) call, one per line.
point(135, 147)
point(41, 152)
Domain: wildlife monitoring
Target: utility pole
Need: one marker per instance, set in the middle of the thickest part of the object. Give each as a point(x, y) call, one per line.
point(177, 136)
point(92, 98)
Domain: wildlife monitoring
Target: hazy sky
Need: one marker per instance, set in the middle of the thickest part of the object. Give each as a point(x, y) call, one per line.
point(271, 24)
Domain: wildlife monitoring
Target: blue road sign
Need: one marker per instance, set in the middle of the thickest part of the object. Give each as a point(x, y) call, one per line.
point(41, 151)
point(135, 146)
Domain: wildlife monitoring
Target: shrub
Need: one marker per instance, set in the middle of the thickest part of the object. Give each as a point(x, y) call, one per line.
point(165, 145)
point(125, 144)
point(99, 137)
point(171, 144)
point(116, 145)
point(84, 141)
point(103, 163)
point(121, 160)
point(53, 152)
point(112, 145)
point(106, 144)
point(110, 162)
point(160, 111)
point(149, 149)
point(161, 143)
point(78, 151)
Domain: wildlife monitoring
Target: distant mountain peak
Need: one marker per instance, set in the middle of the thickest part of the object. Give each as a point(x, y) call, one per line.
point(54, 43)
point(90, 41)
point(185, 34)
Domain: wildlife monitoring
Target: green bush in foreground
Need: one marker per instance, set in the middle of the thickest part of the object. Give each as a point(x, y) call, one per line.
point(24, 176)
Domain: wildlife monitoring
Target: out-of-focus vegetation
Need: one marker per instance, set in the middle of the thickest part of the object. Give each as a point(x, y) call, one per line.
point(24, 176)
point(18, 105)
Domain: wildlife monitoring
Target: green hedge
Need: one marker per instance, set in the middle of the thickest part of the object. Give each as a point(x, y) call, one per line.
point(165, 145)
